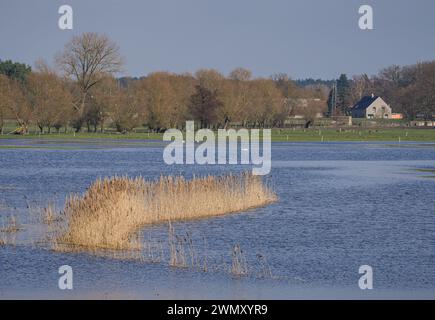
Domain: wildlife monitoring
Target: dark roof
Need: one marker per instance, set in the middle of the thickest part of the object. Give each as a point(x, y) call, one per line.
point(364, 103)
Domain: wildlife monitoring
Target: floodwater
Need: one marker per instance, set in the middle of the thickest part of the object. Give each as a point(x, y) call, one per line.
point(341, 206)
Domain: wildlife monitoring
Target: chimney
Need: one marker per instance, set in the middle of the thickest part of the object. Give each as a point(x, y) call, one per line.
point(373, 95)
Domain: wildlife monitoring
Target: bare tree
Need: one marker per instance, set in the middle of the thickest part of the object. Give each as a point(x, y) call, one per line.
point(4, 100)
point(424, 94)
point(233, 95)
point(184, 87)
point(286, 85)
point(240, 74)
point(49, 99)
point(311, 110)
point(158, 97)
point(88, 59)
point(210, 79)
point(105, 100)
point(266, 104)
point(14, 104)
point(359, 87)
point(204, 106)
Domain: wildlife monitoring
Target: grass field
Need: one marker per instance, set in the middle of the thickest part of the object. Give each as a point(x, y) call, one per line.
point(328, 134)
point(313, 134)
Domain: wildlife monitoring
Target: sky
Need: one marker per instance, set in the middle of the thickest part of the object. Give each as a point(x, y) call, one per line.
point(303, 38)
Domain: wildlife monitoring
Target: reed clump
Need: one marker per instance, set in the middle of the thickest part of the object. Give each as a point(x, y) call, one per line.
point(12, 225)
point(49, 214)
point(113, 209)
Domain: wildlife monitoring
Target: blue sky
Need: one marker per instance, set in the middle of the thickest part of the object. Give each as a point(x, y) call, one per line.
point(304, 38)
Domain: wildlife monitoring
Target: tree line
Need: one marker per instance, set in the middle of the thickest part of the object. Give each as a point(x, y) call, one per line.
point(81, 92)
point(409, 90)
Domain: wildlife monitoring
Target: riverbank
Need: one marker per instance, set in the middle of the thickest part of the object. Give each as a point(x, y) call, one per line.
point(302, 135)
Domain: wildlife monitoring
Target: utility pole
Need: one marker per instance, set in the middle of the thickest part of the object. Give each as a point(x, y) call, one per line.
point(333, 100)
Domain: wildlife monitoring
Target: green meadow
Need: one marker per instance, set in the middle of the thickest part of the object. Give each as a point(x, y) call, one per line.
point(303, 135)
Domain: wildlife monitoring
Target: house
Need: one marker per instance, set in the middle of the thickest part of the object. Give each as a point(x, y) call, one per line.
point(371, 107)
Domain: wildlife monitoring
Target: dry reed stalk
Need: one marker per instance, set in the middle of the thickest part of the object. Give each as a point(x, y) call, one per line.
point(239, 265)
point(265, 270)
point(49, 215)
point(153, 251)
point(113, 209)
point(12, 226)
point(3, 206)
point(204, 266)
point(8, 239)
point(173, 252)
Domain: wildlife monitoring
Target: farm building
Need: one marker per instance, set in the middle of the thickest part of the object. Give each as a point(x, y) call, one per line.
point(371, 107)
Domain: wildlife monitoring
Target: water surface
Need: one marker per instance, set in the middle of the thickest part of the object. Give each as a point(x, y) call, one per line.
point(341, 205)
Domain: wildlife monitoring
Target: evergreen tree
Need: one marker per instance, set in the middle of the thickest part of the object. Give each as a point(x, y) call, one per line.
point(14, 70)
point(344, 97)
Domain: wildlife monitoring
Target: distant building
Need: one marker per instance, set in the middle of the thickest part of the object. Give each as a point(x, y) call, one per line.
point(371, 107)
point(422, 123)
point(425, 116)
point(300, 107)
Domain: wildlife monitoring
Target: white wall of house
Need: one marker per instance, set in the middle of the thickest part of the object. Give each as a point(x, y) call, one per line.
point(379, 109)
